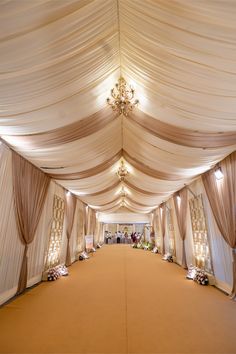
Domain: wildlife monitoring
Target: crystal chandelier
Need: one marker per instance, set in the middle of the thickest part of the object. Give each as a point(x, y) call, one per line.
point(122, 171)
point(122, 100)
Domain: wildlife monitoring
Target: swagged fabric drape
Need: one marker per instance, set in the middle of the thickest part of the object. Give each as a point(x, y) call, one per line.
point(70, 215)
point(163, 224)
point(181, 213)
point(30, 189)
point(222, 198)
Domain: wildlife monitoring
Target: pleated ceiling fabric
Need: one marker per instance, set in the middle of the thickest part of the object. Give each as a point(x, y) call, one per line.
point(59, 61)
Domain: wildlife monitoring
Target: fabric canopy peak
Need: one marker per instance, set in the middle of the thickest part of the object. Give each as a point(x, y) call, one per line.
point(67, 59)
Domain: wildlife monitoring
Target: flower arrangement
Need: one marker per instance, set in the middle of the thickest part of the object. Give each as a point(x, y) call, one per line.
point(62, 270)
point(191, 272)
point(197, 275)
point(201, 277)
point(56, 272)
point(53, 274)
point(139, 245)
point(83, 255)
point(147, 246)
point(168, 257)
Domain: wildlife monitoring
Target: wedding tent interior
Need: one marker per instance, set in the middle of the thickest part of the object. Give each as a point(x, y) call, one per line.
point(117, 115)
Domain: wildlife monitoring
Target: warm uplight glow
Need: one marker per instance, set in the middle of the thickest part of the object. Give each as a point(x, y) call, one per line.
point(218, 173)
point(79, 193)
point(178, 198)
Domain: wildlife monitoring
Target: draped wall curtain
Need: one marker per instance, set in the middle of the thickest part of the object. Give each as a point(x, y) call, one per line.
point(181, 205)
point(30, 188)
point(70, 215)
point(85, 217)
point(163, 224)
point(222, 198)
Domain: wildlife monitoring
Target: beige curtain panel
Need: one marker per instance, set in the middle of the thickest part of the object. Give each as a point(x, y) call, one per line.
point(30, 189)
point(181, 206)
point(69, 216)
point(222, 198)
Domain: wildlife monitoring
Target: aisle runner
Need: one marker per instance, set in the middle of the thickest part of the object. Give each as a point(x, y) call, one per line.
point(121, 300)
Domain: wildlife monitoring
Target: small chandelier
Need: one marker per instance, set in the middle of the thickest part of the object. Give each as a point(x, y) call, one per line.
point(122, 171)
point(122, 100)
point(122, 202)
point(122, 192)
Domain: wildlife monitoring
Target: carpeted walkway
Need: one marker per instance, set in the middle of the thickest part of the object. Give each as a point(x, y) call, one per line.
point(122, 300)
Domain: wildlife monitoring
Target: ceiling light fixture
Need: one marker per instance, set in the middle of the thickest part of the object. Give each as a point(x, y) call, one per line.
point(122, 202)
point(122, 100)
point(122, 192)
point(122, 171)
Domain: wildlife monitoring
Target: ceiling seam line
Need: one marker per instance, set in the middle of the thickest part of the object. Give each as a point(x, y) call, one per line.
point(119, 41)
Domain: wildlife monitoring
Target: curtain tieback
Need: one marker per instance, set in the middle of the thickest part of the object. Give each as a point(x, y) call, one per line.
point(25, 250)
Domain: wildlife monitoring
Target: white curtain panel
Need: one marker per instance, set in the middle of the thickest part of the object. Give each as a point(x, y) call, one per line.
point(74, 234)
point(220, 251)
point(11, 248)
point(37, 249)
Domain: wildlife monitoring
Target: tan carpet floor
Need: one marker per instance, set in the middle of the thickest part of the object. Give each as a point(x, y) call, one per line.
point(121, 300)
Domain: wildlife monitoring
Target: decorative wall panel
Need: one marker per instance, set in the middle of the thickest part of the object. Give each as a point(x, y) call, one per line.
point(55, 239)
point(200, 237)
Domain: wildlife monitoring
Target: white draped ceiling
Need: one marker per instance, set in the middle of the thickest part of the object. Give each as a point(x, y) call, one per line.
point(59, 60)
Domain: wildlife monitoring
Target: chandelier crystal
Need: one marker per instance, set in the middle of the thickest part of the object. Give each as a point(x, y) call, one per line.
point(122, 98)
point(122, 171)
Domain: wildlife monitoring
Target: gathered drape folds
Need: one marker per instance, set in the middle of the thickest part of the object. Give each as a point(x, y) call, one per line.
point(69, 133)
point(163, 224)
point(222, 198)
point(90, 172)
point(181, 205)
point(30, 190)
point(70, 215)
point(182, 136)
